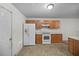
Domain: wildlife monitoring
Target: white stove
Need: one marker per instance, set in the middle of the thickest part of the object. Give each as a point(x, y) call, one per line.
point(46, 38)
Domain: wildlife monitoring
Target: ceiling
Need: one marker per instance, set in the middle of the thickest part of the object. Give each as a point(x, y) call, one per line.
point(39, 10)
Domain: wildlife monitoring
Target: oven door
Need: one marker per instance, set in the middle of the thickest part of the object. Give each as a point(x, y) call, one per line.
point(46, 39)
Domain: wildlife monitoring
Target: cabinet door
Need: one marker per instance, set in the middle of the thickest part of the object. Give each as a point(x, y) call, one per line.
point(56, 38)
point(38, 39)
point(30, 21)
point(71, 45)
point(54, 24)
point(57, 24)
point(46, 21)
point(38, 25)
point(76, 47)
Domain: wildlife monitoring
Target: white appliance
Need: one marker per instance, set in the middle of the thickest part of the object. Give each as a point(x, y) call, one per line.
point(29, 34)
point(46, 38)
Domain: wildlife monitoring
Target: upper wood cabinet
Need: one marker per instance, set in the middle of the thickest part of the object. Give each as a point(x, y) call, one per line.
point(30, 21)
point(38, 25)
point(54, 24)
point(46, 22)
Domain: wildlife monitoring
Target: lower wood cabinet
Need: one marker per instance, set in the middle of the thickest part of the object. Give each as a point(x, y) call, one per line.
point(56, 38)
point(38, 38)
point(73, 46)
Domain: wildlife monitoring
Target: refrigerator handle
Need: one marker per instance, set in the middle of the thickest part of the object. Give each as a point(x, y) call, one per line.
point(26, 31)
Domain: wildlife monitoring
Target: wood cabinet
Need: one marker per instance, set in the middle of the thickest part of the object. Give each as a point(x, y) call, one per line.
point(56, 38)
point(30, 21)
point(38, 38)
point(38, 25)
point(73, 46)
point(46, 22)
point(54, 24)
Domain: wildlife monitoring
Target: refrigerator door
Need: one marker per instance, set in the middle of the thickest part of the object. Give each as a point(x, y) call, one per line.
point(29, 34)
point(26, 36)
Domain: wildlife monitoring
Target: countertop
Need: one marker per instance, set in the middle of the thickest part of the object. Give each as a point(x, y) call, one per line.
point(74, 37)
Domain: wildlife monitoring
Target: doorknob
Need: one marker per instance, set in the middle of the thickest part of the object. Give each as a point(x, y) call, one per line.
point(10, 38)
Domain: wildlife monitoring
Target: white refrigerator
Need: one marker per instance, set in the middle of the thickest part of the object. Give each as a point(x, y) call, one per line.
point(29, 34)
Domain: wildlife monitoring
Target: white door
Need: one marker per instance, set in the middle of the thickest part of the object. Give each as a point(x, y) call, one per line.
point(5, 32)
point(29, 34)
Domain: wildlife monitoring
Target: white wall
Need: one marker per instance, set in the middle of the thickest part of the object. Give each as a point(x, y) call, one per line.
point(68, 26)
point(77, 28)
point(17, 23)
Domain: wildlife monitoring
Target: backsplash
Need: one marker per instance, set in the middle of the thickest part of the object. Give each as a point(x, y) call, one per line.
point(51, 31)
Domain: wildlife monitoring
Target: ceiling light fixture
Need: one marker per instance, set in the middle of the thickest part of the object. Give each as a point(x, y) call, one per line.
point(50, 6)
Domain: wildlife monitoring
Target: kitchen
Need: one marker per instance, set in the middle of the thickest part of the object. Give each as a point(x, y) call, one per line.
point(50, 31)
point(34, 29)
point(43, 34)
